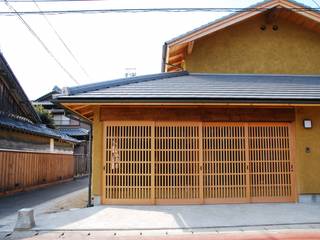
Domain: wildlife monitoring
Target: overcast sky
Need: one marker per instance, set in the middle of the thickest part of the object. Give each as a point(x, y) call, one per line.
point(105, 44)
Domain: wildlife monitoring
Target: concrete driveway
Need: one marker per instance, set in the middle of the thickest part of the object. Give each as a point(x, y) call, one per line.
point(182, 218)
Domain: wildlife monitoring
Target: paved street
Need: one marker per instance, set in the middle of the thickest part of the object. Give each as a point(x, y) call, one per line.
point(288, 221)
point(99, 235)
point(10, 204)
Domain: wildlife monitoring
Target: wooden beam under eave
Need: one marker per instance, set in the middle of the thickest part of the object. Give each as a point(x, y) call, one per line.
point(173, 69)
point(85, 111)
point(190, 47)
point(76, 108)
point(70, 108)
point(175, 57)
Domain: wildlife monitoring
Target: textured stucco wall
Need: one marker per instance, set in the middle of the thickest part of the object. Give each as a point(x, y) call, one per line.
point(308, 163)
point(244, 48)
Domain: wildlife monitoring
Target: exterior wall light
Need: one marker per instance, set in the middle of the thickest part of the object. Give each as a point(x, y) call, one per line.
point(307, 123)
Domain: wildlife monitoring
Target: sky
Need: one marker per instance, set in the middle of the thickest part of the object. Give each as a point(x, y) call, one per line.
point(105, 44)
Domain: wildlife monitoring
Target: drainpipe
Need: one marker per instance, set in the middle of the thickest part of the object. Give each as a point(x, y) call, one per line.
point(90, 168)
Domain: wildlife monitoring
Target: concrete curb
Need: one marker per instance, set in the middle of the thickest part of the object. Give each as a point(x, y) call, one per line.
point(185, 228)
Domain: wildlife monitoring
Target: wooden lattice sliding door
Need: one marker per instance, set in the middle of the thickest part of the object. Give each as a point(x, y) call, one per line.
point(194, 162)
point(128, 163)
point(271, 164)
point(225, 163)
point(177, 163)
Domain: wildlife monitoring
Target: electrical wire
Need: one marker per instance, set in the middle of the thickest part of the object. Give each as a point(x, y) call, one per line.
point(316, 3)
point(52, 1)
point(62, 41)
point(146, 10)
point(41, 42)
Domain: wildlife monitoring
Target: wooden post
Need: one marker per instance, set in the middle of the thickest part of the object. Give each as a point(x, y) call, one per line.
point(200, 163)
point(153, 198)
point(247, 156)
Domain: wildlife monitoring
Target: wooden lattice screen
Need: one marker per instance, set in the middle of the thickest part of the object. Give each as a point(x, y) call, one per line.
point(178, 162)
point(225, 163)
point(271, 166)
point(128, 167)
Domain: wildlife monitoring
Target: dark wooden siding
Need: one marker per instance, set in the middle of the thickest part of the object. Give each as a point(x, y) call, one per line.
point(22, 141)
point(203, 114)
point(7, 103)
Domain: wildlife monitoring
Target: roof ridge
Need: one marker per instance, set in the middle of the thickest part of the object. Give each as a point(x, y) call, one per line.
point(13, 82)
point(256, 5)
point(120, 82)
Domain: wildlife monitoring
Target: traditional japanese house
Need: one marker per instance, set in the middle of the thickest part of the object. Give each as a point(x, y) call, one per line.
point(233, 118)
point(31, 154)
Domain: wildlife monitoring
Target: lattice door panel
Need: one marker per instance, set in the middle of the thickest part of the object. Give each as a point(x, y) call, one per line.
point(188, 162)
point(271, 165)
point(177, 172)
point(128, 166)
point(224, 163)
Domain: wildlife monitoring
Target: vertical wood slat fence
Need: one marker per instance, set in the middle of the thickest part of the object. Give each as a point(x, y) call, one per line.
point(192, 162)
point(81, 164)
point(25, 170)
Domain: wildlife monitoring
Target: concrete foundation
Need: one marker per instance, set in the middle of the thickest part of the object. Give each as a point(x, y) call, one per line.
point(309, 198)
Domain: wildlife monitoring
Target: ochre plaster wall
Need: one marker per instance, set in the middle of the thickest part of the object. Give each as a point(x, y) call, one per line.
point(308, 162)
point(245, 48)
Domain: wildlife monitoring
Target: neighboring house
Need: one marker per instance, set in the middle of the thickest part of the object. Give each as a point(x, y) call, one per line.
point(71, 125)
point(244, 129)
point(31, 154)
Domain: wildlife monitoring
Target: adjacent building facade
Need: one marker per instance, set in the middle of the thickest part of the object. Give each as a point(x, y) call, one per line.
point(71, 125)
point(31, 154)
point(234, 117)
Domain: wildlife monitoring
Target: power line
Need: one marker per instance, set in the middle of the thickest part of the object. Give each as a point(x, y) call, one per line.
point(41, 42)
point(62, 41)
point(145, 10)
point(53, 1)
point(316, 3)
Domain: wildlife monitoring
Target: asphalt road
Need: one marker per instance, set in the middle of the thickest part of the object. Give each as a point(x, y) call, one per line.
point(10, 204)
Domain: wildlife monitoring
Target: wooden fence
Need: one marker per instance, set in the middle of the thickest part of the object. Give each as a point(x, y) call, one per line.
point(24, 170)
point(81, 164)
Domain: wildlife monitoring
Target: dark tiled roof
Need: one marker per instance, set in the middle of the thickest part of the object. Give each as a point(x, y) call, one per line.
point(74, 132)
point(17, 91)
point(121, 81)
point(23, 125)
point(204, 86)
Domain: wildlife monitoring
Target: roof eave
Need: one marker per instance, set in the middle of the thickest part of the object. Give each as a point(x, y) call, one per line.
point(186, 100)
point(237, 17)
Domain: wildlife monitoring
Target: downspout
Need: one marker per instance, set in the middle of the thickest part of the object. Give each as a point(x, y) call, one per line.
point(90, 169)
point(164, 57)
